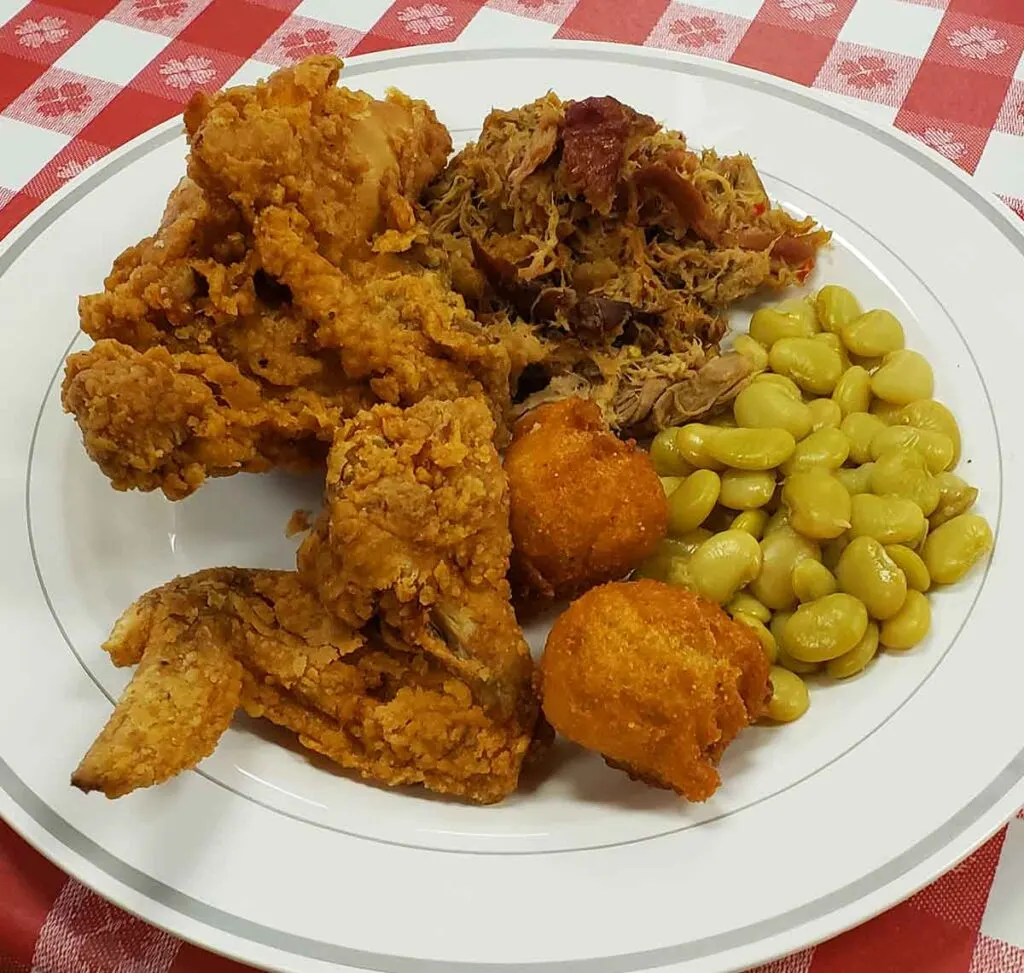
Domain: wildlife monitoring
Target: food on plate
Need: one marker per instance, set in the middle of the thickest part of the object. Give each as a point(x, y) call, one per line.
point(414, 536)
point(621, 245)
point(843, 475)
point(326, 291)
point(656, 679)
point(276, 275)
point(228, 637)
point(586, 507)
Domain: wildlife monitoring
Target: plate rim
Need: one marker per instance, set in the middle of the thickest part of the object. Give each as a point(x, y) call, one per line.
point(944, 847)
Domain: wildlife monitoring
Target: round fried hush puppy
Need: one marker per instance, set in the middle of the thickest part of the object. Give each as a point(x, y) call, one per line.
point(656, 679)
point(586, 507)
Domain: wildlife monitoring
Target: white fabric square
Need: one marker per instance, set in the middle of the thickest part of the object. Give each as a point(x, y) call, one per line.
point(491, 27)
point(27, 148)
point(112, 52)
point(360, 14)
point(891, 25)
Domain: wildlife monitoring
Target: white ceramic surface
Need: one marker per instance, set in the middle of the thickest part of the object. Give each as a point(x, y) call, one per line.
point(888, 780)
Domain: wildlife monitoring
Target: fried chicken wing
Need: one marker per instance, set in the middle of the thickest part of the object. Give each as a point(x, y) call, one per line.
point(586, 507)
point(655, 678)
point(217, 639)
point(415, 533)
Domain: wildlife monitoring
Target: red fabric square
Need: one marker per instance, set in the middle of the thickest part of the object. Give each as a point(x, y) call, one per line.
point(181, 69)
point(233, 26)
point(71, 161)
point(28, 882)
point(16, 75)
point(961, 894)
point(10, 216)
point(698, 31)
point(971, 97)
point(1008, 11)
point(794, 54)
point(824, 17)
point(62, 101)
point(613, 20)
point(92, 8)
point(903, 940)
point(299, 37)
point(193, 960)
point(167, 17)
point(129, 114)
point(960, 143)
point(42, 32)
point(964, 41)
point(410, 24)
point(867, 73)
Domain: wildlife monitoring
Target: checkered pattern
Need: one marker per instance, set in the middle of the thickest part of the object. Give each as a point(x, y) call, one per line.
point(80, 77)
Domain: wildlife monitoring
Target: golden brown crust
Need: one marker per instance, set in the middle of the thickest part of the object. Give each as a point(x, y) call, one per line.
point(656, 679)
point(586, 506)
point(415, 532)
point(225, 637)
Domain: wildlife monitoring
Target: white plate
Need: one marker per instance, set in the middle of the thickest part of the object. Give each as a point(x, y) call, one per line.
point(889, 780)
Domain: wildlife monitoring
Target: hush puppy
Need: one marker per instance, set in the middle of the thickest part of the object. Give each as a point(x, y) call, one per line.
point(586, 507)
point(656, 679)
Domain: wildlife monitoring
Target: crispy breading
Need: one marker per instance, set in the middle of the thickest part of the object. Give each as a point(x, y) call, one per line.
point(349, 163)
point(158, 420)
point(586, 507)
point(265, 266)
point(179, 702)
point(655, 678)
point(209, 642)
point(415, 533)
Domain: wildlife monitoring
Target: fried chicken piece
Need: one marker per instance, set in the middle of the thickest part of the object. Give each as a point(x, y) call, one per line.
point(393, 325)
point(415, 533)
point(349, 163)
point(217, 639)
point(240, 283)
point(180, 701)
point(157, 420)
point(586, 507)
point(656, 679)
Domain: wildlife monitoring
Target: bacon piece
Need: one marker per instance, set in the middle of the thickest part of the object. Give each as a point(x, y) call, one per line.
point(594, 137)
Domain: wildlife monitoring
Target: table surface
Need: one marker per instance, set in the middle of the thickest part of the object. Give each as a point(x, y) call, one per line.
point(80, 77)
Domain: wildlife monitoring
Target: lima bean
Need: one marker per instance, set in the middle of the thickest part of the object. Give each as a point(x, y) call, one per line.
point(867, 572)
point(873, 334)
point(911, 564)
point(693, 500)
point(819, 505)
point(826, 449)
point(835, 306)
point(891, 520)
point(765, 405)
point(854, 661)
point(909, 625)
point(812, 580)
point(748, 489)
point(825, 629)
point(790, 699)
point(860, 428)
point(902, 377)
point(815, 367)
point(853, 390)
point(724, 563)
point(953, 548)
point(751, 449)
point(780, 551)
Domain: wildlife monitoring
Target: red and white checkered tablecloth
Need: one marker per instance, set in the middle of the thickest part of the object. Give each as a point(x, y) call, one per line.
point(80, 77)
